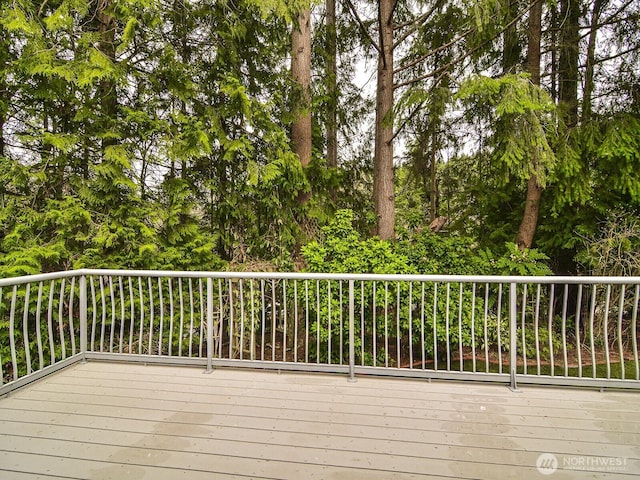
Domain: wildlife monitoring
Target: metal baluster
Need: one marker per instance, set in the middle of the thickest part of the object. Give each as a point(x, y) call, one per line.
point(513, 326)
point(203, 307)
point(220, 330)
point(620, 312)
point(60, 320)
point(241, 342)
point(295, 321)
point(38, 333)
point(362, 326)
point(132, 313)
point(386, 324)
point(592, 312)
point(398, 335)
point(284, 312)
point(341, 323)
point(375, 326)
point(473, 327)
point(231, 319)
point(422, 335)
point(72, 334)
point(25, 329)
point(499, 329)
point(209, 324)
point(550, 327)
point(113, 313)
point(578, 345)
point(82, 300)
point(142, 308)
point(606, 330)
point(94, 314)
point(410, 325)
point(446, 319)
point(12, 339)
point(564, 330)
point(122, 316)
point(306, 321)
point(536, 320)
point(460, 355)
point(170, 346)
point(329, 321)
point(252, 344)
point(352, 350)
point(435, 326)
point(161, 306)
point(486, 318)
point(523, 332)
point(191, 317)
point(273, 320)
point(52, 349)
point(151, 315)
point(634, 334)
point(181, 325)
point(264, 319)
point(1, 361)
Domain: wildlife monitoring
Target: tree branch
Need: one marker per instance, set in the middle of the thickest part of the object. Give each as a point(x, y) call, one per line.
point(362, 26)
point(417, 23)
point(459, 59)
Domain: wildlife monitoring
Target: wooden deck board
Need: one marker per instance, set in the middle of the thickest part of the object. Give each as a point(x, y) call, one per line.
point(103, 420)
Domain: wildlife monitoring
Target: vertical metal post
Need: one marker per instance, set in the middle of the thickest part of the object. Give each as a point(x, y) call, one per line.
point(209, 325)
point(352, 348)
point(513, 322)
point(83, 316)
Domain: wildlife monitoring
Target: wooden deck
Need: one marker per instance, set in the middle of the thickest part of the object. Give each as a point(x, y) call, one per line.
point(122, 421)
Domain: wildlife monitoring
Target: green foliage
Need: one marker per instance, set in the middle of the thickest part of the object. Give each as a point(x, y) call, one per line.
point(526, 262)
point(525, 115)
point(344, 251)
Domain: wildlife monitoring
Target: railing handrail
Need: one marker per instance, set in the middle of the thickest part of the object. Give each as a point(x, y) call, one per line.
point(492, 279)
point(485, 318)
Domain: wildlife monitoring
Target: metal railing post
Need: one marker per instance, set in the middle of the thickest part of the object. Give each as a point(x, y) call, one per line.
point(352, 348)
point(83, 316)
point(209, 325)
point(513, 322)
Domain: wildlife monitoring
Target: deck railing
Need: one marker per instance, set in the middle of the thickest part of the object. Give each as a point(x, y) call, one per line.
point(548, 330)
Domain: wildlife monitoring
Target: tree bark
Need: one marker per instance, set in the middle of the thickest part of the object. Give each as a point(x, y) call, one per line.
point(587, 105)
point(107, 94)
point(4, 92)
point(511, 45)
point(529, 223)
point(433, 186)
point(568, 62)
point(383, 184)
point(301, 72)
point(332, 85)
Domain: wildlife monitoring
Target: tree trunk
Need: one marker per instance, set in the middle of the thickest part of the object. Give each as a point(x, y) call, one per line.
point(332, 85)
point(529, 222)
point(533, 39)
point(4, 93)
point(107, 94)
point(554, 52)
point(383, 185)
point(301, 72)
point(511, 45)
point(587, 105)
point(568, 62)
point(433, 192)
